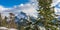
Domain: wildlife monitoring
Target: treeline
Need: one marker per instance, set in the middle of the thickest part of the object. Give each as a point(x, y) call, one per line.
point(21, 24)
point(8, 21)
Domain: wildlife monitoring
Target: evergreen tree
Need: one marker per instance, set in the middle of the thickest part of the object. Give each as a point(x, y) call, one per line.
point(0, 20)
point(46, 14)
point(11, 23)
point(4, 22)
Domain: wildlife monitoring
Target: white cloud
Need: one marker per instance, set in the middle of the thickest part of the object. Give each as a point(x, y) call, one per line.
point(3, 8)
point(30, 10)
point(21, 5)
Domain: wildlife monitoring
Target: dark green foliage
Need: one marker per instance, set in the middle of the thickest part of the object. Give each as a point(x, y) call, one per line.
point(0, 20)
point(4, 22)
point(47, 14)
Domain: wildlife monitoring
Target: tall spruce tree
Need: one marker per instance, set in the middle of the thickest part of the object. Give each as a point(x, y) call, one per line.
point(46, 14)
point(0, 20)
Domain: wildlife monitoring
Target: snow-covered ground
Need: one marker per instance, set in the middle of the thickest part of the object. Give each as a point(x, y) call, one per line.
point(4, 28)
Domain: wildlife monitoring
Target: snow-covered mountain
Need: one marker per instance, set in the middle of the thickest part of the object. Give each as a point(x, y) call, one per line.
point(22, 18)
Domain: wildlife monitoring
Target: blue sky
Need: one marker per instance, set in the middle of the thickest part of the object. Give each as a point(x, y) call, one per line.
point(10, 3)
